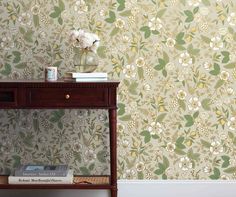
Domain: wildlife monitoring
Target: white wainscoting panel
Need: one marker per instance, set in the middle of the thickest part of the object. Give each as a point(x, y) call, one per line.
point(142, 188)
point(180, 188)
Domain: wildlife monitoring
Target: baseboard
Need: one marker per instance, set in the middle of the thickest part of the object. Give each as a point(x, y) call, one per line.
point(169, 188)
point(142, 188)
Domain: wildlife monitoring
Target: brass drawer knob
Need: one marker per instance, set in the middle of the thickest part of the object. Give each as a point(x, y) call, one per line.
point(67, 96)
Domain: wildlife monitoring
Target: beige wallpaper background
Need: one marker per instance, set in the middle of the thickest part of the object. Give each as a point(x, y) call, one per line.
point(176, 62)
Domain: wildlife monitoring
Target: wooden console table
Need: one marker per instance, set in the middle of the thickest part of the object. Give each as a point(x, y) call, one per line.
point(38, 94)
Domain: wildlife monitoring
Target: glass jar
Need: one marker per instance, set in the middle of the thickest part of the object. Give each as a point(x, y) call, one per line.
point(85, 61)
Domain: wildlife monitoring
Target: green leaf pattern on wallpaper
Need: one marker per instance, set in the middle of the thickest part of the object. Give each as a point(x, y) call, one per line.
point(176, 62)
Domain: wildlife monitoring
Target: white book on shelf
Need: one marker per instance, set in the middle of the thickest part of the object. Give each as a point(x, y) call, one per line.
point(42, 180)
point(86, 75)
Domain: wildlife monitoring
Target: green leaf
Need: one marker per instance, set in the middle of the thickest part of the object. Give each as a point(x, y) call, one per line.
point(133, 88)
point(126, 13)
point(180, 47)
point(22, 30)
point(84, 171)
point(161, 117)
point(216, 174)
point(179, 151)
point(160, 13)
point(61, 5)
point(166, 162)
point(56, 13)
point(112, 17)
point(101, 155)
point(206, 2)
point(114, 31)
point(219, 83)
point(17, 55)
point(7, 70)
point(179, 143)
point(140, 175)
point(195, 10)
point(57, 64)
point(226, 162)
point(146, 30)
point(125, 118)
point(206, 39)
point(195, 115)
point(190, 120)
point(179, 38)
point(164, 73)
point(216, 70)
point(206, 104)
point(121, 109)
point(101, 51)
point(140, 73)
point(192, 51)
point(60, 125)
point(91, 166)
point(230, 170)
point(231, 65)
point(189, 15)
point(121, 5)
point(159, 171)
point(21, 65)
point(166, 57)
point(147, 136)
point(226, 56)
point(28, 36)
point(193, 156)
point(17, 161)
point(36, 20)
point(60, 20)
point(206, 144)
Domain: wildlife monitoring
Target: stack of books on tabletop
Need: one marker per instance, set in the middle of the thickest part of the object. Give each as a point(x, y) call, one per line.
point(85, 77)
point(42, 174)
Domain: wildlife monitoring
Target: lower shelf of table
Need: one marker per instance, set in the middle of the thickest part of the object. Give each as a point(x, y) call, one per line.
point(80, 182)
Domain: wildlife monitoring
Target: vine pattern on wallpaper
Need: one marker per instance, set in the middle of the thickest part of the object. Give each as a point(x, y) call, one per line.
point(176, 62)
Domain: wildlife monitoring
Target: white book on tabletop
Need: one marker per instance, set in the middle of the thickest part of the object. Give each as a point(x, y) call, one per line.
point(41, 180)
point(89, 75)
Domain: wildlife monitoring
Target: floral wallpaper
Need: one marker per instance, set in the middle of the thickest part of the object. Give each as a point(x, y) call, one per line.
point(176, 60)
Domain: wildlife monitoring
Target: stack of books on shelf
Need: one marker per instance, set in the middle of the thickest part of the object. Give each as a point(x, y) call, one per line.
point(85, 77)
point(42, 174)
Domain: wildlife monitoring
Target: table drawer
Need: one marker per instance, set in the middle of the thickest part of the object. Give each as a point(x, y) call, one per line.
point(67, 97)
point(8, 97)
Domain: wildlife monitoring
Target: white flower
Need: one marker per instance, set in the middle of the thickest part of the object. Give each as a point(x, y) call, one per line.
point(194, 104)
point(129, 71)
point(155, 128)
point(170, 147)
point(224, 75)
point(140, 166)
point(35, 10)
point(7, 43)
point(216, 43)
point(232, 123)
point(185, 164)
point(129, 174)
point(84, 40)
point(232, 19)
point(80, 6)
point(230, 91)
point(170, 66)
point(223, 31)
point(89, 155)
point(140, 62)
point(185, 59)
point(155, 24)
point(146, 87)
point(125, 143)
point(216, 148)
point(181, 95)
point(120, 23)
point(207, 169)
point(170, 42)
point(25, 19)
point(194, 3)
point(207, 65)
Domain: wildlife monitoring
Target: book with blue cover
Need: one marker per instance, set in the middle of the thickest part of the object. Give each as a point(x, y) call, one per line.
point(42, 170)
